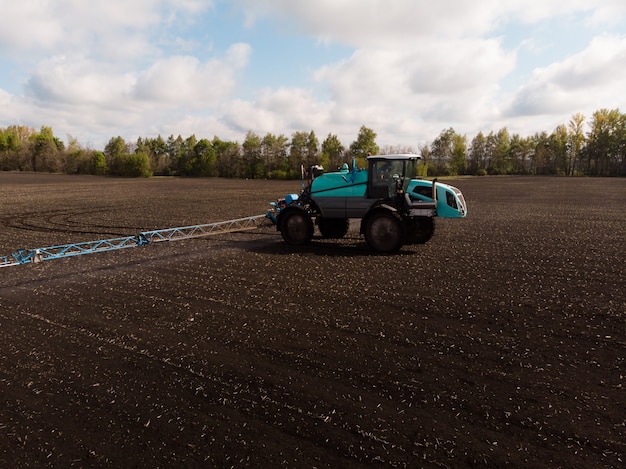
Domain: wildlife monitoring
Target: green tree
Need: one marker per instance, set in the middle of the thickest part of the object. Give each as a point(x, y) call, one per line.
point(46, 151)
point(156, 149)
point(187, 163)
point(364, 145)
point(77, 161)
point(425, 160)
point(303, 151)
point(559, 140)
point(441, 153)
point(274, 156)
point(115, 148)
point(619, 151)
point(99, 164)
point(122, 163)
point(205, 159)
point(598, 145)
point(606, 143)
point(576, 140)
point(228, 158)
point(131, 165)
point(19, 143)
point(297, 153)
point(174, 148)
point(252, 161)
point(4, 151)
point(477, 155)
point(332, 152)
point(312, 149)
point(541, 155)
point(459, 154)
point(501, 153)
point(520, 150)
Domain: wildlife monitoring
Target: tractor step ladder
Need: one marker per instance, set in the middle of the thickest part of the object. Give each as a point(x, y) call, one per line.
point(27, 256)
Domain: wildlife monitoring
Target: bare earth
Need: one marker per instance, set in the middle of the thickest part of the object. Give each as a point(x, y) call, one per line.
point(502, 342)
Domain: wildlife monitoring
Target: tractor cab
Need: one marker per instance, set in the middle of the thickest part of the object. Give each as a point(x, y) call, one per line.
point(388, 175)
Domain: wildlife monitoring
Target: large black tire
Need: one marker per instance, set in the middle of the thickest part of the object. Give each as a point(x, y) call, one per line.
point(420, 230)
point(333, 228)
point(296, 227)
point(384, 231)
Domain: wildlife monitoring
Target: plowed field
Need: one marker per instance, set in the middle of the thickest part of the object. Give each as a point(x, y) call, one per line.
point(501, 342)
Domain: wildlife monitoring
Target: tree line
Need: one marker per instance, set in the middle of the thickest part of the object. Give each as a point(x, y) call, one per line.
point(568, 151)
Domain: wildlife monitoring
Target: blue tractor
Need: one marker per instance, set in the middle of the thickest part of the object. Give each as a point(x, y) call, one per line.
point(395, 207)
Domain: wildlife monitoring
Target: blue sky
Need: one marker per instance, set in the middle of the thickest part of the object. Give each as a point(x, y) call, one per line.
point(407, 69)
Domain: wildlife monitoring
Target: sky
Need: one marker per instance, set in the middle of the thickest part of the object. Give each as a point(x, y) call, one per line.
point(407, 69)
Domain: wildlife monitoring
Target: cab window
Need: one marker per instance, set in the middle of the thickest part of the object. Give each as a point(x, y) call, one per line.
point(451, 200)
point(426, 191)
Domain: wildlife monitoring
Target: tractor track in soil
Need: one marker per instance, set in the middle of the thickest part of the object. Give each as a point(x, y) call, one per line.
point(499, 343)
point(68, 221)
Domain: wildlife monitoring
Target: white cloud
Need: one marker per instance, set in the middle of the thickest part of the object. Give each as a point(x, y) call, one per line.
point(445, 67)
point(185, 81)
point(281, 111)
point(29, 27)
point(68, 81)
point(376, 22)
point(608, 12)
point(39, 26)
point(110, 28)
point(405, 91)
point(95, 100)
point(532, 11)
point(587, 81)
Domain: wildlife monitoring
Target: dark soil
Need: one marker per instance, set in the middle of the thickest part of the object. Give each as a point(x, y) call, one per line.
point(501, 342)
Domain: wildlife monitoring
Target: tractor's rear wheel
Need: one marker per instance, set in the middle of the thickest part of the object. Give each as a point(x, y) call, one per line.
point(296, 227)
point(420, 230)
point(384, 231)
point(333, 228)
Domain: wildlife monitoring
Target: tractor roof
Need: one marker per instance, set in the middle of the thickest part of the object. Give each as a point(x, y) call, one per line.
point(398, 156)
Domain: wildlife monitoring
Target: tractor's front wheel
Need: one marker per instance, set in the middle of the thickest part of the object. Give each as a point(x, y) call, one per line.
point(384, 231)
point(296, 227)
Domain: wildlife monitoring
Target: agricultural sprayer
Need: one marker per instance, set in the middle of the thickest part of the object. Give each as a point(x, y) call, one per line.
point(394, 209)
point(393, 206)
